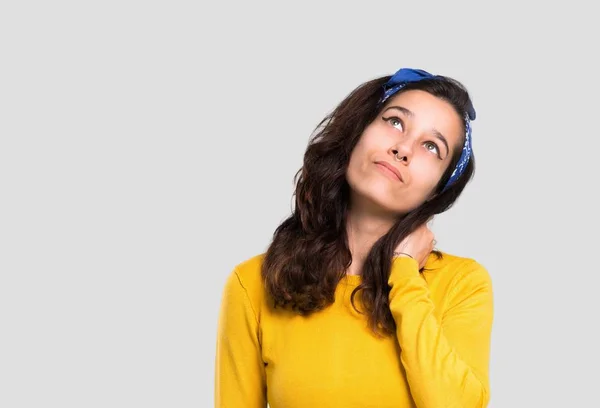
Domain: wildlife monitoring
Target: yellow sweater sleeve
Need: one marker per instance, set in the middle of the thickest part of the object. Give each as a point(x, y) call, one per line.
point(446, 363)
point(239, 369)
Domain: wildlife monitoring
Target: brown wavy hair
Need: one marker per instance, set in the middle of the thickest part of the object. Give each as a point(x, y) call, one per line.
point(309, 253)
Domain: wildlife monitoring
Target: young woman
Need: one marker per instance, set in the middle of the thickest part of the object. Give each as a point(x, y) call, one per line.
point(351, 306)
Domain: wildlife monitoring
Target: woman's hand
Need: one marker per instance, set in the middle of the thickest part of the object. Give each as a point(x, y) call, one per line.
point(418, 245)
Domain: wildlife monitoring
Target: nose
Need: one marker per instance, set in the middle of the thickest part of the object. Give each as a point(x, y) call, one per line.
point(401, 152)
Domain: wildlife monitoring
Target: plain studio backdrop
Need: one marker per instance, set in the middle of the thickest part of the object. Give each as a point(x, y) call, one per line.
point(148, 147)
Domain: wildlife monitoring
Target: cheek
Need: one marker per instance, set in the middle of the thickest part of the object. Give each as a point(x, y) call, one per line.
point(355, 171)
point(374, 138)
point(426, 175)
point(358, 158)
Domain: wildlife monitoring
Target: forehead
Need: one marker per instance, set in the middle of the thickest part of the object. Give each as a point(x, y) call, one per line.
point(429, 112)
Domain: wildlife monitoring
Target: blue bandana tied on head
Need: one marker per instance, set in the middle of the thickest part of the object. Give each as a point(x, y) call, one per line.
point(407, 75)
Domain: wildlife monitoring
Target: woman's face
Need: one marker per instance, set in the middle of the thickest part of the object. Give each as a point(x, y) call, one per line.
point(423, 129)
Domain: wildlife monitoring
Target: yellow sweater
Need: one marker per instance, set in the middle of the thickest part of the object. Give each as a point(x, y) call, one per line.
point(438, 358)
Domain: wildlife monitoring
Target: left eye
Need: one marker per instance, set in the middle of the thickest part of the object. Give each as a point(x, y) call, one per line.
point(432, 147)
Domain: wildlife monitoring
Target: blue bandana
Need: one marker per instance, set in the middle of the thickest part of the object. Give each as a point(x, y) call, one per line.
point(408, 75)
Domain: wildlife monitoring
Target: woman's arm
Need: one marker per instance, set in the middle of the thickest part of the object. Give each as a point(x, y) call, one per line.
point(239, 369)
point(446, 364)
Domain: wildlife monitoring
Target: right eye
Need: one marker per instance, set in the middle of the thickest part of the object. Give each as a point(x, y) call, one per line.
point(395, 121)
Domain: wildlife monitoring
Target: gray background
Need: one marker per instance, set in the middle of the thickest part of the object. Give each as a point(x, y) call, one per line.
point(148, 147)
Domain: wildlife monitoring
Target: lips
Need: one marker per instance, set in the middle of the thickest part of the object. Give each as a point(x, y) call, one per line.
point(391, 168)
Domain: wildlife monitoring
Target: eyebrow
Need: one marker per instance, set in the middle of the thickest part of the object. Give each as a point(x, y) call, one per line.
point(401, 109)
point(435, 132)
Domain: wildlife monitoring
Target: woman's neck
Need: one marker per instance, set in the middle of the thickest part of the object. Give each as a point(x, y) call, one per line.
point(363, 229)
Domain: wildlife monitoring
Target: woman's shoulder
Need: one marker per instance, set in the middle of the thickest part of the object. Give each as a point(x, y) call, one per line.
point(446, 270)
point(452, 268)
point(247, 273)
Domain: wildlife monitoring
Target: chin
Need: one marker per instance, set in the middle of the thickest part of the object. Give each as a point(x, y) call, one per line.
point(388, 207)
point(380, 199)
